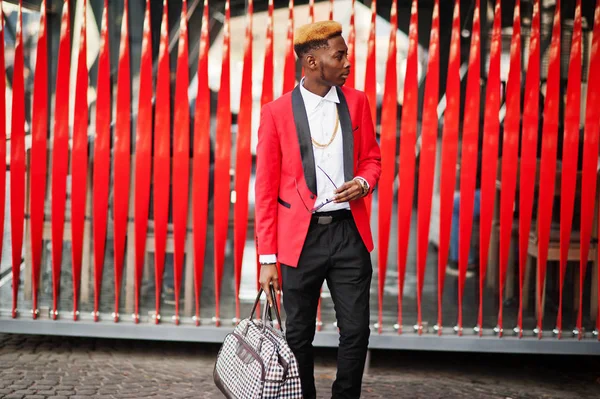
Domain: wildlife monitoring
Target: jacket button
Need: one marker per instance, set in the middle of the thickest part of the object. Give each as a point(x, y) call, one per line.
point(312, 196)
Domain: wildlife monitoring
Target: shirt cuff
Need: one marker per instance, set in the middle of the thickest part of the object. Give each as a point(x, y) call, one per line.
point(271, 258)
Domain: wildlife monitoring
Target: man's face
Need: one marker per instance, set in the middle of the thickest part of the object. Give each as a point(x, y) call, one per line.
point(332, 65)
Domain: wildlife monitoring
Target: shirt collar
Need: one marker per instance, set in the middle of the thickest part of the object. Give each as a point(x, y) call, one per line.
point(312, 100)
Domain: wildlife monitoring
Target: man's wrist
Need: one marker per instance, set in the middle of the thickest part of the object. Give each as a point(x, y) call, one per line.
point(363, 184)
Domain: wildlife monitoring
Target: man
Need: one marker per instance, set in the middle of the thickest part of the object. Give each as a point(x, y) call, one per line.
point(317, 158)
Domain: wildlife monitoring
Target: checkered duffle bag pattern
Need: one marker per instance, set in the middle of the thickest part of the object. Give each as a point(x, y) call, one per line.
point(255, 361)
point(290, 388)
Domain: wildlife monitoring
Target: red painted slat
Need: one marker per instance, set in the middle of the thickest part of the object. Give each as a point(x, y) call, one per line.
point(39, 148)
point(162, 161)
point(510, 158)
point(490, 140)
point(427, 161)
point(529, 141)
point(469, 157)
point(17, 161)
point(243, 163)
point(590, 157)
point(101, 159)
point(449, 155)
point(548, 162)
point(3, 138)
point(311, 11)
point(331, 10)
point(143, 157)
point(60, 152)
point(350, 82)
point(79, 164)
point(222, 165)
point(181, 155)
point(570, 155)
point(388, 157)
point(371, 81)
point(289, 68)
point(122, 156)
point(267, 96)
point(201, 161)
point(408, 131)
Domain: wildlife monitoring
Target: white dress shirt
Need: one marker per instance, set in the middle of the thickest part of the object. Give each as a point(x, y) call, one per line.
point(322, 116)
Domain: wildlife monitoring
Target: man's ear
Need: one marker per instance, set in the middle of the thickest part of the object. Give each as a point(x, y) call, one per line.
point(311, 61)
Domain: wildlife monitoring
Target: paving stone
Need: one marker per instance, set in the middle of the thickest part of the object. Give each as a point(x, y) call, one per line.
point(65, 393)
point(47, 392)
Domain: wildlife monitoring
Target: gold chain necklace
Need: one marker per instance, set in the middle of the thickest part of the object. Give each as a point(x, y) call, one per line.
point(335, 129)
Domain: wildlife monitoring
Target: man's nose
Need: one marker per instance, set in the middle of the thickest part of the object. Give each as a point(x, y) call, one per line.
point(347, 64)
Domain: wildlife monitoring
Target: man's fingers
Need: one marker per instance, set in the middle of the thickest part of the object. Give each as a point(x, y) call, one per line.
point(267, 289)
point(348, 191)
point(347, 195)
point(275, 282)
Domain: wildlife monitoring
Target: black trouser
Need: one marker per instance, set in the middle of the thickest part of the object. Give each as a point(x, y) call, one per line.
point(337, 253)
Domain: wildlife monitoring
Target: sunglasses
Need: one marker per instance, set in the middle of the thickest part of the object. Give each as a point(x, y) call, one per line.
point(322, 204)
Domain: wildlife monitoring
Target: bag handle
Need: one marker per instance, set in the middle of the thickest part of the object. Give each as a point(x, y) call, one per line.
point(267, 308)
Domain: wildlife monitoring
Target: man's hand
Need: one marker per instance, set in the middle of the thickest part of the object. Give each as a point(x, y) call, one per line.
point(268, 277)
point(349, 191)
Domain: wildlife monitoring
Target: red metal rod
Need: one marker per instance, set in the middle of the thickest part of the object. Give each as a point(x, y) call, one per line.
point(548, 162)
point(162, 161)
point(79, 164)
point(200, 180)
point(510, 159)
point(331, 10)
point(491, 129)
point(143, 157)
point(243, 164)
point(408, 131)
point(101, 159)
point(39, 147)
point(469, 159)
point(590, 157)
point(222, 164)
point(289, 68)
point(121, 155)
point(449, 156)
point(388, 157)
point(427, 161)
point(350, 81)
point(181, 155)
point(371, 82)
point(60, 153)
point(17, 161)
point(529, 141)
point(570, 155)
point(267, 94)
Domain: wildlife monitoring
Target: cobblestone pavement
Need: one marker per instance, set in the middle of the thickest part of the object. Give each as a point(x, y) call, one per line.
point(56, 367)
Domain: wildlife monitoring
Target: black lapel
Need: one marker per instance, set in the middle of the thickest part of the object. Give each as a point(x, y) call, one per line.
point(303, 131)
point(347, 135)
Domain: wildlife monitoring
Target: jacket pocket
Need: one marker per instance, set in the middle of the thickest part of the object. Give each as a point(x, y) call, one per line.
point(282, 202)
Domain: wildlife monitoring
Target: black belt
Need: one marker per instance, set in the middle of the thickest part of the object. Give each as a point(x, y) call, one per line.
point(330, 217)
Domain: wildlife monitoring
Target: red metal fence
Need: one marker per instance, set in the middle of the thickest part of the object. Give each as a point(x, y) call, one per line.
point(166, 163)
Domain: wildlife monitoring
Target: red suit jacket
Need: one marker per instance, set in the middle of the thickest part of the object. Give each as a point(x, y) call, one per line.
point(285, 170)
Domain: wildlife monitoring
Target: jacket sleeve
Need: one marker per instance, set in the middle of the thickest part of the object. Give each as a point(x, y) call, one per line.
point(268, 170)
point(369, 154)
